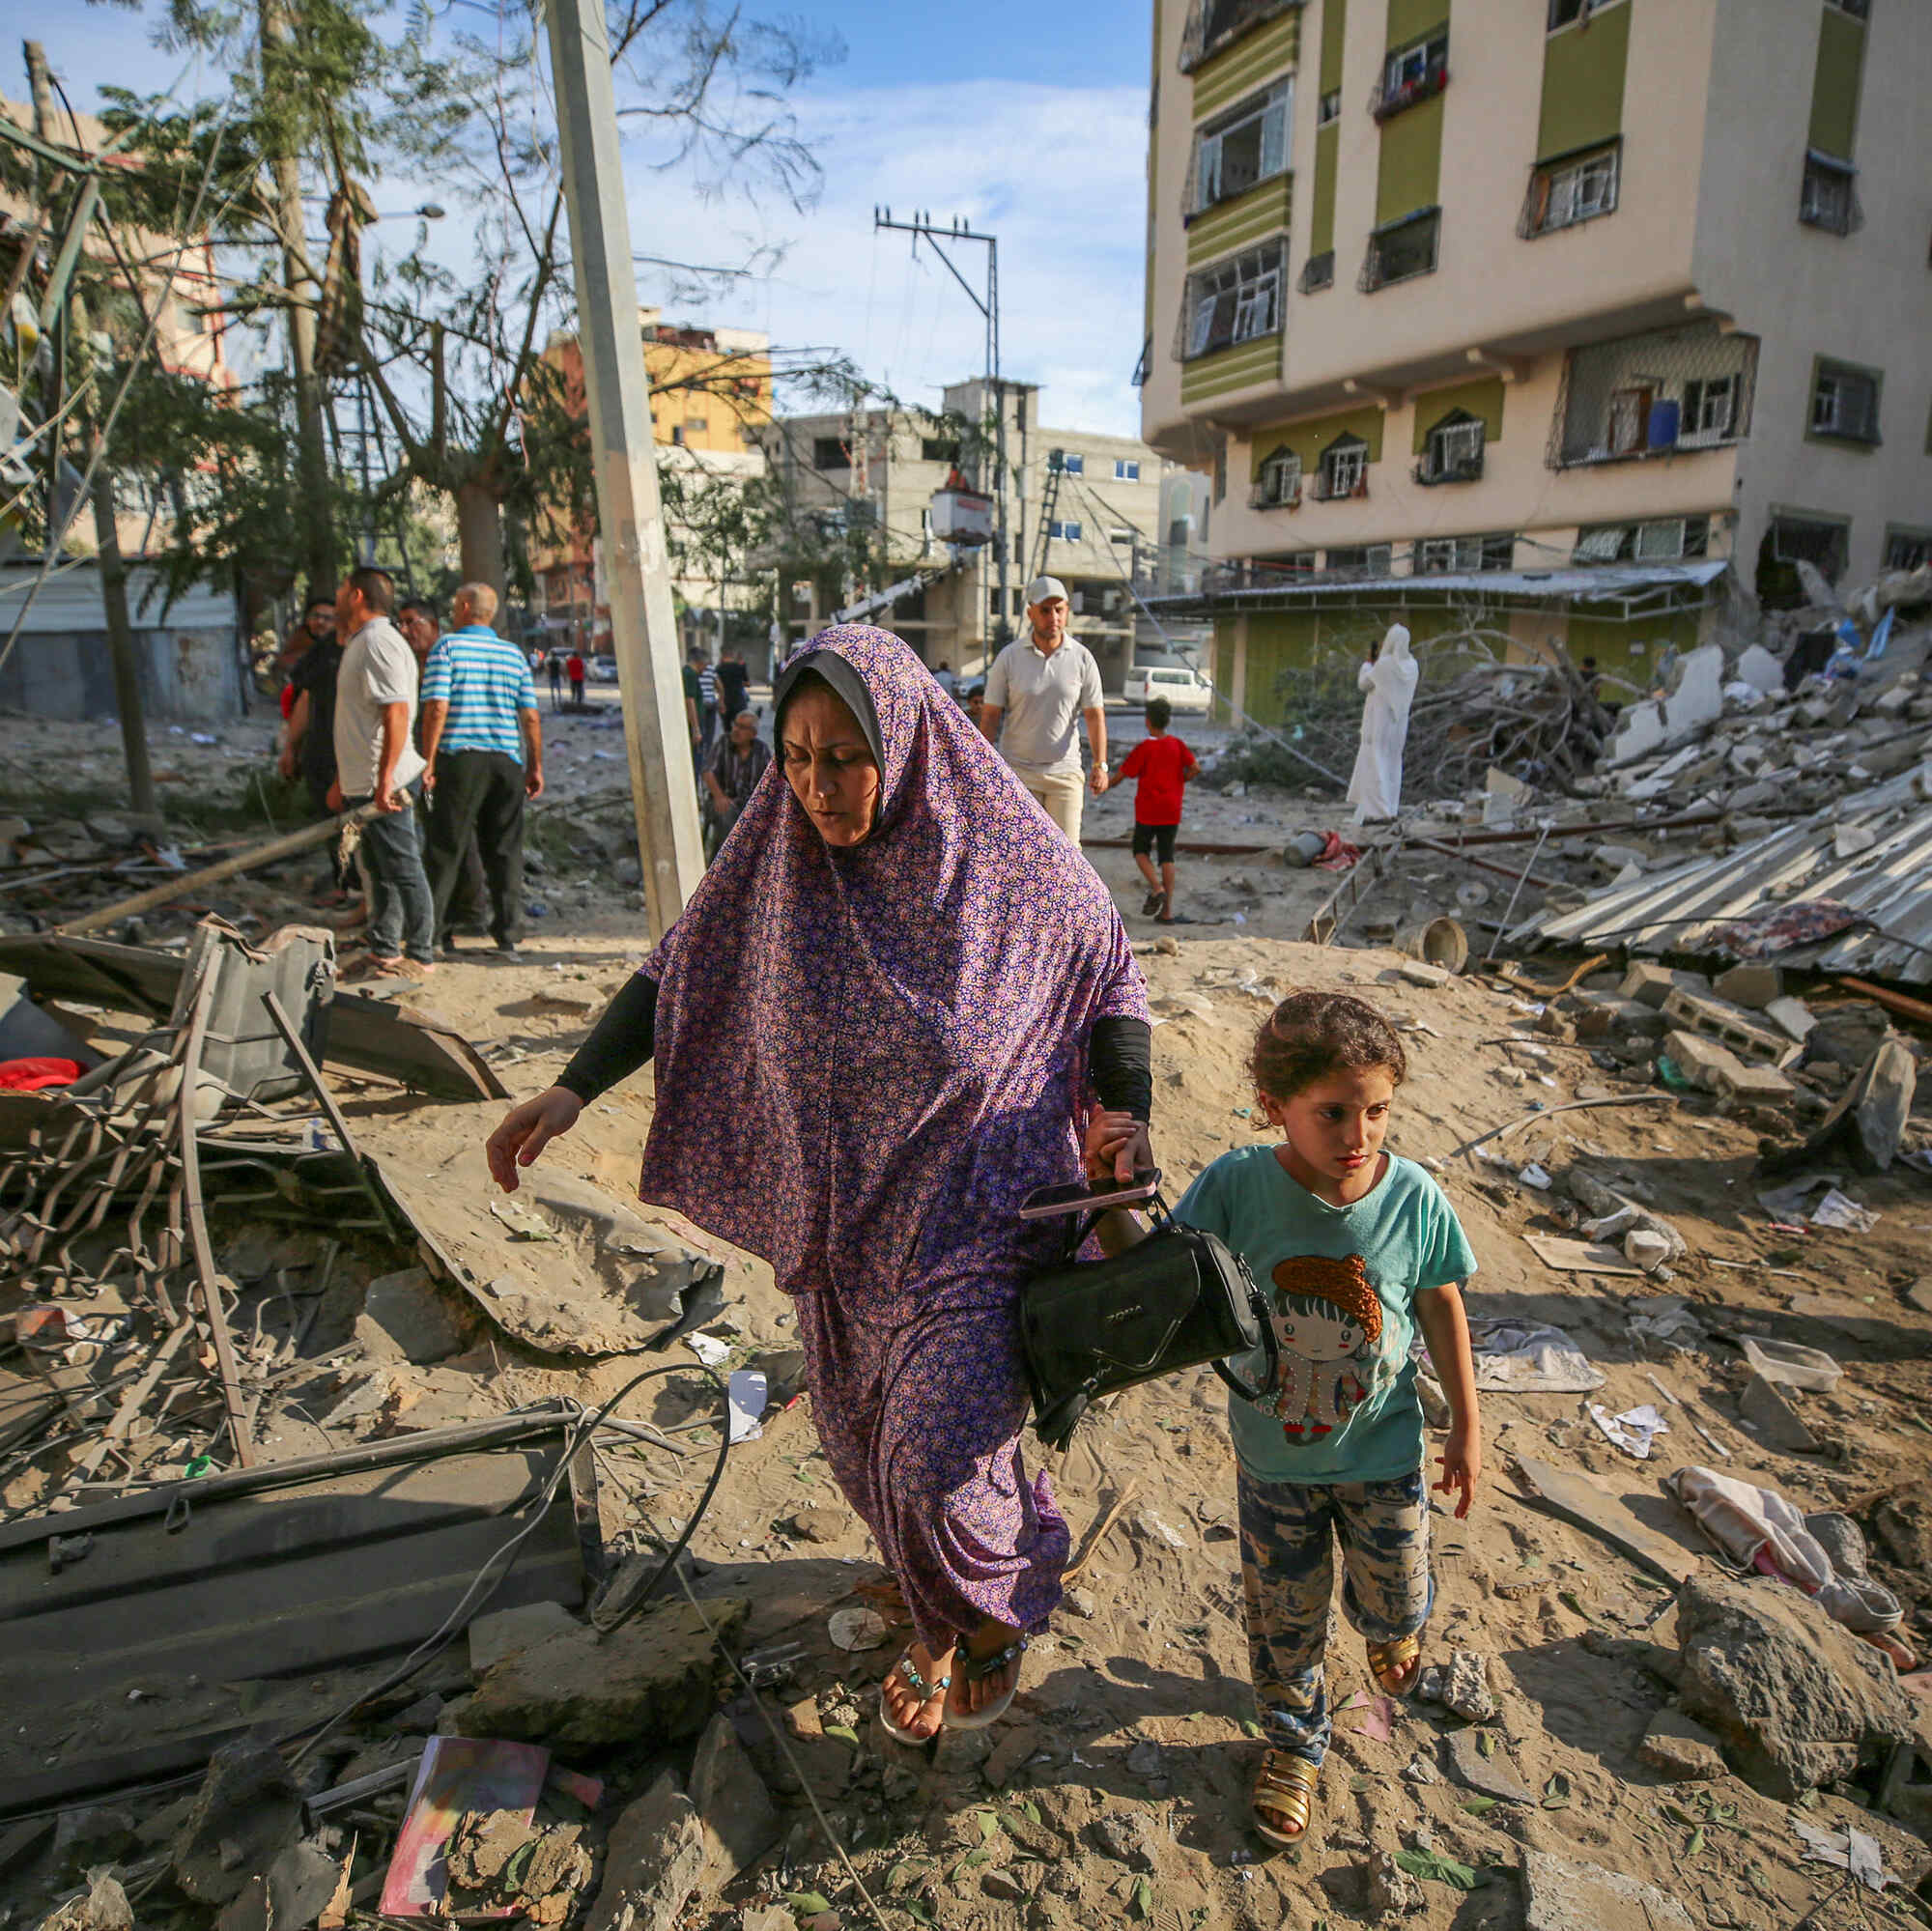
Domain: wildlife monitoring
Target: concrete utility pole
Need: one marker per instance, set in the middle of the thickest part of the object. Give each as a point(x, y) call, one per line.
point(617, 391)
point(78, 332)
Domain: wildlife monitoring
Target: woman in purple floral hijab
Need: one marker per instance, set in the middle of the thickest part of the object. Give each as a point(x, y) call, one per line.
point(884, 1018)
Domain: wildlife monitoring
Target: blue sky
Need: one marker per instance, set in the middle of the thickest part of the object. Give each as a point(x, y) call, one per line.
point(1027, 119)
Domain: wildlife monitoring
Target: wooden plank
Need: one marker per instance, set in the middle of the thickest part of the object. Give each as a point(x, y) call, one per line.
point(1580, 1257)
point(1589, 1506)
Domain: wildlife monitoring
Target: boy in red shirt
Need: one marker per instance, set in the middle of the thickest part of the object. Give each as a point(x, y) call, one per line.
point(1163, 765)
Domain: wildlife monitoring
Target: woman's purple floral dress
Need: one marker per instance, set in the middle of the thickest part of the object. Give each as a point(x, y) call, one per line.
point(866, 1058)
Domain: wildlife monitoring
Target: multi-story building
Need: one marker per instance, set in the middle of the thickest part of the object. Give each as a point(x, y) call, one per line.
point(711, 399)
point(1568, 310)
point(1099, 512)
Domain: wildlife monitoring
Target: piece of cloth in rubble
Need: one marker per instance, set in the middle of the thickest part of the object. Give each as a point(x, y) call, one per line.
point(866, 1058)
point(1780, 928)
point(1375, 786)
point(1513, 1356)
point(1757, 1528)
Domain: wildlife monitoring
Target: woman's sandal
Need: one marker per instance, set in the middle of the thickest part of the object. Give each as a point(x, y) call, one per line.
point(1401, 1658)
point(976, 1669)
point(1283, 1787)
point(925, 1692)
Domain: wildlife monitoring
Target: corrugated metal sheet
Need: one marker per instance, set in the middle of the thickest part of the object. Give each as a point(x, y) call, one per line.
point(70, 600)
point(1890, 884)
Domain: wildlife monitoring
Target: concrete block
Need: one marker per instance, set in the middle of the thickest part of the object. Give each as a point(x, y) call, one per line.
point(501, 1632)
point(1559, 1895)
point(1703, 1062)
point(1760, 670)
point(1617, 1018)
point(1792, 1014)
point(1751, 984)
point(1718, 1019)
point(1652, 983)
point(1754, 1085)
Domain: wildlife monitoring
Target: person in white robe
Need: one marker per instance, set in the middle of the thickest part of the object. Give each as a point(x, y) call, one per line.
point(1388, 679)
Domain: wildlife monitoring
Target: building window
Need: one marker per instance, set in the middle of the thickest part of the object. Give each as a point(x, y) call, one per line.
point(1567, 13)
point(1243, 148)
point(1214, 24)
point(1072, 464)
point(829, 452)
point(1402, 250)
point(1653, 394)
point(1235, 301)
point(1907, 549)
point(1858, 10)
point(1344, 470)
point(1845, 403)
point(1830, 196)
point(1277, 482)
point(1329, 107)
point(1064, 532)
point(1664, 539)
point(1440, 556)
point(677, 434)
point(1412, 74)
point(1368, 559)
point(1453, 452)
point(1318, 272)
point(1127, 470)
point(1577, 189)
point(1805, 539)
point(938, 450)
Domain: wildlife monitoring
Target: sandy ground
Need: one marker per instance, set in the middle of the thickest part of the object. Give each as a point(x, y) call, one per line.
point(1131, 1746)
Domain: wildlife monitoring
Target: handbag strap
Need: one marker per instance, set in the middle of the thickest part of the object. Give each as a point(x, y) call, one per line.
point(1156, 1209)
point(1270, 1346)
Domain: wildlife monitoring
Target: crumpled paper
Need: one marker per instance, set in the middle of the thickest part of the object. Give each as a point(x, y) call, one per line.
point(1634, 1430)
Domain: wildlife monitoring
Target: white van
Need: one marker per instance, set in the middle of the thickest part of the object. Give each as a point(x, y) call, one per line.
point(1184, 689)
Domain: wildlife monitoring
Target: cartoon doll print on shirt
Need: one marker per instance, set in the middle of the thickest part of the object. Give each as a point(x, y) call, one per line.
point(1329, 1322)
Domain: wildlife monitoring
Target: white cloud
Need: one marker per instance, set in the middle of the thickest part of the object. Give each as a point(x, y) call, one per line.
point(1056, 173)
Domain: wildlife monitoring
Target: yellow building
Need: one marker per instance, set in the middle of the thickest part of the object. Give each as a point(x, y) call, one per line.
point(1568, 310)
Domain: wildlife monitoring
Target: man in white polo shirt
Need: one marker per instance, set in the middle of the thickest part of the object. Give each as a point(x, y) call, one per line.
point(1042, 687)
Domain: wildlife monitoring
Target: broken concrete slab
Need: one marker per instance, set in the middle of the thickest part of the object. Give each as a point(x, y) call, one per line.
point(289, 1896)
point(1792, 1016)
point(652, 1862)
point(404, 1318)
point(1776, 1422)
point(1653, 984)
point(1718, 1019)
point(502, 1633)
point(654, 1681)
point(1703, 1062)
point(247, 1811)
point(1751, 984)
point(1680, 1750)
point(1753, 1086)
point(740, 1821)
point(1488, 1776)
point(102, 1907)
point(1559, 1895)
point(1795, 1699)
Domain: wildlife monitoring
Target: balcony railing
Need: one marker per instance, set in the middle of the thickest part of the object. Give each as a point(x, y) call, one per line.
point(1324, 490)
point(1386, 102)
point(1317, 272)
point(1432, 475)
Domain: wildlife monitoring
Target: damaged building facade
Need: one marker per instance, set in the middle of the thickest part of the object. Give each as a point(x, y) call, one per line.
point(1549, 307)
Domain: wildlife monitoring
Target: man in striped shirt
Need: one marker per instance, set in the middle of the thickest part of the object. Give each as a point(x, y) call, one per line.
point(484, 744)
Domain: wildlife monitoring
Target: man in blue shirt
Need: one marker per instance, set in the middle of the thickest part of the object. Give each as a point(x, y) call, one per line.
point(484, 744)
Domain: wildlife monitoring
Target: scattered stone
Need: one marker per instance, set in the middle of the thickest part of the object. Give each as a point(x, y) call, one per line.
point(804, 1722)
point(1391, 1892)
point(101, 1833)
point(1903, 1521)
point(103, 1907)
point(1419, 971)
point(1011, 1754)
point(1419, 1769)
point(1653, 984)
point(1776, 1422)
point(1561, 1896)
point(1083, 1602)
point(654, 1681)
point(1795, 1699)
point(1751, 984)
point(1459, 1686)
point(652, 1862)
point(1792, 1017)
point(499, 1864)
point(819, 1525)
point(740, 1821)
point(1124, 1836)
point(1007, 1882)
point(773, 1918)
point(505, 1632)
point(404, 1318)
point(1682, 1752)
point(247, 1810)
point(1920, 1294)
point(1488, 1776)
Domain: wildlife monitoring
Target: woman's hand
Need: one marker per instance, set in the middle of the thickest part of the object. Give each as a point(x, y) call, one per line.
point(526, 1130)
point(1117, 1146)
point(1461, 1461)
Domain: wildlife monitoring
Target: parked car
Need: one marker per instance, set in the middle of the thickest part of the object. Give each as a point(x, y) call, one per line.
point(1184, 689)
point(604, 669)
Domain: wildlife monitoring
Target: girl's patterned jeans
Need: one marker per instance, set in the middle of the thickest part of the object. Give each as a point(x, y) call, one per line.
point(1288, 1577)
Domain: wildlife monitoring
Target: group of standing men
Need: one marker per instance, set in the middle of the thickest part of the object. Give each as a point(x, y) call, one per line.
point(390, 711)
point(726, 747)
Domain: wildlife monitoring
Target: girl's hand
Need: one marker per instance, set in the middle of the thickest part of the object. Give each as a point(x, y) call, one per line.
point(526, 1130)
point(1116, 1146)
point(1462, 1461)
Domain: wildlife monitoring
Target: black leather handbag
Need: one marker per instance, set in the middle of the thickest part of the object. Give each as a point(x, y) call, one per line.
point(1180, 1298)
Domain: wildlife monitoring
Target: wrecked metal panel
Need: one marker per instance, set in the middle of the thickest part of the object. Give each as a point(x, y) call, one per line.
point(279, 1570)
point(372, 1036)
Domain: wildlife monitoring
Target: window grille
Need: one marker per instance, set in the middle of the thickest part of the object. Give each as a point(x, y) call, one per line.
point(1214, 24)
point(1453, 452)
point(1365, 559)
point(1573, 189)
point(1242, 149)
point(1400, 251)
point(1804, 539)
point(1235, 301)
point(1844, 404)
point(1410, 74)
point(1442, 556)
point(1344, 470)
point(1277, 482)
point(1653, 394)
point(1907, 549)
point(1329, 107)
point(1318, 272)
point(1830, 196)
